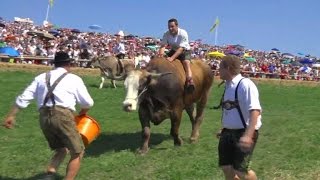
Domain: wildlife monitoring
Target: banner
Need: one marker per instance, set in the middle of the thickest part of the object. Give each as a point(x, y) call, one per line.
point(51, 3)
point(215, 24)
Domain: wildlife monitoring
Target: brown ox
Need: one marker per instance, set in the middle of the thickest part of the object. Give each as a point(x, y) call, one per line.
point(112, 68)
point(159, 92)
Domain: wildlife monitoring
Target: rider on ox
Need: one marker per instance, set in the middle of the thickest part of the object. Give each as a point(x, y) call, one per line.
point(111, 68)
point(119, 49)
point(159, 92)
point(177, 39)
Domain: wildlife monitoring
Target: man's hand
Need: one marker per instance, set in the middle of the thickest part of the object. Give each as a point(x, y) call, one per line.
point(170, 59)
point(10, 119)
point(83, 112)
point(218, 134)
point(9, 122)
point(245, 143)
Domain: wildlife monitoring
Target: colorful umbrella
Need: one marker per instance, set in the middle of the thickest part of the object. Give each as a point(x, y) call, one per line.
point(287, 55)
point(285, 61)
point(54, 32)
point(306, 61)
point(75, 31)
point(41, 34)
point(10, 51)
point(246, 55)
point(216, 54)
point(250, 59)
point(95, 27)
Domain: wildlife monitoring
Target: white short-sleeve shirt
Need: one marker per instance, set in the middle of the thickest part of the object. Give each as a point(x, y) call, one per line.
point(120, 48)
point(68, 92)
point(177, 41)
point(248, 97)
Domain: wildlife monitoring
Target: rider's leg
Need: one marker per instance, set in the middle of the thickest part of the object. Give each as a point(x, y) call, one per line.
point(186, 65)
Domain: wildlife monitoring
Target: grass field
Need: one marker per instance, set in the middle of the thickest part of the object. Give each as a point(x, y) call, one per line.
point(288, 146)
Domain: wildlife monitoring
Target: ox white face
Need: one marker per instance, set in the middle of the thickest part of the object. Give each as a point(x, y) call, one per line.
point(132, 88)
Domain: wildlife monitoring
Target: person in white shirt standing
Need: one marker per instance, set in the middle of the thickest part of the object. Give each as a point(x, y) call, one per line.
point(57, 93)
point(241, 120)
point(177, 39)
point(119, 50)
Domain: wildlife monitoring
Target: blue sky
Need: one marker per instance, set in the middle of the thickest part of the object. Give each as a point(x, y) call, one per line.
point(289, 25)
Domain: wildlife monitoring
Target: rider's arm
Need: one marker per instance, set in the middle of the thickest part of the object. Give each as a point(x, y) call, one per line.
point(161, 50)
point(177, 53)
point(163, 45)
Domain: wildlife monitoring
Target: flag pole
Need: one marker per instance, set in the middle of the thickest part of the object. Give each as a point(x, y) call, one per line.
point(216, 34)
point(47, 15)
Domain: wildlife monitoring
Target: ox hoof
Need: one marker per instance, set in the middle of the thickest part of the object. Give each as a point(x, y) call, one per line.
point(193, 139)
point(143, 151)
point(178, 142)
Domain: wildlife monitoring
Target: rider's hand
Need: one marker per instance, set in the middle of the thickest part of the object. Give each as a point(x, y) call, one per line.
point(170, 59)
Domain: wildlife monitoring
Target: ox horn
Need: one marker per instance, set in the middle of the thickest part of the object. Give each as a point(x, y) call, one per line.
point(156, 75)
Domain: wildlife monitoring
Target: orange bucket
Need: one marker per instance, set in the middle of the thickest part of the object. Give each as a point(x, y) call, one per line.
point(88, 128)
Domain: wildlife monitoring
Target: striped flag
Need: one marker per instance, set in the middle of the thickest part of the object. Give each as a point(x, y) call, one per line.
point(215, 24)
point(51, 3)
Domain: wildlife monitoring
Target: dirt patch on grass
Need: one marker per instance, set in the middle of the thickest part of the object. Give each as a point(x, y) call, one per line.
point(283, 82)
point(42, 68)
point(96, 72)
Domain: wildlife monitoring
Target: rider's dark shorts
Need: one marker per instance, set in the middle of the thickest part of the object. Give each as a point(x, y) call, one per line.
point(120, 56)
point(185, 55)
point(231, 154)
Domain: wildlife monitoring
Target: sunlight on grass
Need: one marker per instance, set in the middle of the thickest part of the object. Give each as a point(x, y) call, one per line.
point(288, 147)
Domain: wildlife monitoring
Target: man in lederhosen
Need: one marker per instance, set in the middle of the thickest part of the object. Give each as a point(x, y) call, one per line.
point(241, 120)
point(57, 92)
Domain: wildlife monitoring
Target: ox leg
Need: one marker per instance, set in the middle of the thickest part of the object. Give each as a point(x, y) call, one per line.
point(102, 82)
point(199, 117)
point(192, 114)
point(146, 132)
point(175, 117)
point(113, 82)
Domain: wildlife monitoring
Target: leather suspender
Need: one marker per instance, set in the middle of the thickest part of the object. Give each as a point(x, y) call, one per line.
point(51, 88)
point(236, 101)
point(238, 106)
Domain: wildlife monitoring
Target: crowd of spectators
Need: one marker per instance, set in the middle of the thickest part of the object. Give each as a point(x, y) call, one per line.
point(32, 40)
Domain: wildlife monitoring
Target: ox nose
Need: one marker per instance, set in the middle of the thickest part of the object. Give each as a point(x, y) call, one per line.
point(127, 107)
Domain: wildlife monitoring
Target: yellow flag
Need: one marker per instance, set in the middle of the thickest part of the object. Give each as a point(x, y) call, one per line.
point(215, 24)
point(51, 3)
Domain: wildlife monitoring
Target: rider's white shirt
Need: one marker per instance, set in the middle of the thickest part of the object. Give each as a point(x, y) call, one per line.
point(177, 41)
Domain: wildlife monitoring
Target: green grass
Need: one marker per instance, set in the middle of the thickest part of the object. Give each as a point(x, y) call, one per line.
point(288, 146)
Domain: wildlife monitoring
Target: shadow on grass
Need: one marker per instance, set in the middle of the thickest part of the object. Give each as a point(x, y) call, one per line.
point(118, 142)
point(35, 177)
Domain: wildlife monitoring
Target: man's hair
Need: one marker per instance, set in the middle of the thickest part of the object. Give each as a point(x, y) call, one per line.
point(62, 64)
point(173, 20)
point(232, 63)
